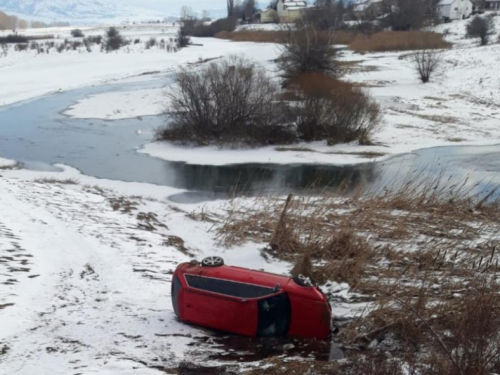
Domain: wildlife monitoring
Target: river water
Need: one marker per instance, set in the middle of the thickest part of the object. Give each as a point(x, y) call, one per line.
point(38, 134)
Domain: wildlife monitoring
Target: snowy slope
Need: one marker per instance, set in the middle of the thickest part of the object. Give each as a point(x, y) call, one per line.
point(75, 10)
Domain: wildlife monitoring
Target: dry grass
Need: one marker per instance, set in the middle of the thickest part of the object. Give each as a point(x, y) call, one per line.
point(379, 42)
point(385, 41)
point(57, 181)
point(11, 167)
point(425, 255)
point(256, 36)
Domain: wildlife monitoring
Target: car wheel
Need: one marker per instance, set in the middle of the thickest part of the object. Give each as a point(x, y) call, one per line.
point(212, 262)
point(304, 281)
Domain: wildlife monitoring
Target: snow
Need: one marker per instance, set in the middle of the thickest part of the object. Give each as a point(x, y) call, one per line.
point(4, 163)
point(302, 153)
point(28, 75)
point(119, 105)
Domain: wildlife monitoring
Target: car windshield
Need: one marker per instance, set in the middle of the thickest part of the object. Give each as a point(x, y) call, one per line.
point(228, 288)
point(274, 316)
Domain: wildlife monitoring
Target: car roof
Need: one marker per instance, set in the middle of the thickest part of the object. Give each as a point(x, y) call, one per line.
point(238, 274)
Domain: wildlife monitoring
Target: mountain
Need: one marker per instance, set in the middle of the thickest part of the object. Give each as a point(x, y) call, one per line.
point(76, 11)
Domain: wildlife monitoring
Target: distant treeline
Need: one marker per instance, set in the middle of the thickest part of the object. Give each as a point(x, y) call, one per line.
point(13, 23)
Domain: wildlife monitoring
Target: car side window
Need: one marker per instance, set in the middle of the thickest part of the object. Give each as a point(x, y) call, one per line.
point(228, 288)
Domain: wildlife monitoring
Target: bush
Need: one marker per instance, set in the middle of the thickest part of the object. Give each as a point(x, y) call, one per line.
point(227, 102)
point(307, 50)
point(114, 40)
point(150, 43)
point(95, 39)
point(183, 40)
point(13, 39)
point(426, 63)
point(21, 47)
point(333, 110)
point(482, 28)
point(398, 41)
point(77, 33)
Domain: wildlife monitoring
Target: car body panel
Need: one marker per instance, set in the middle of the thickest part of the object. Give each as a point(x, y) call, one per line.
point(228, 299)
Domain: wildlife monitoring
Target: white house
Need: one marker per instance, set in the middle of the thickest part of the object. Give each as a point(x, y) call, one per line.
point(290, 10)
point(455, 9)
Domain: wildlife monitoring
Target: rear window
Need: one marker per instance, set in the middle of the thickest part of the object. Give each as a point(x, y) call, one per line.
point(228, 288)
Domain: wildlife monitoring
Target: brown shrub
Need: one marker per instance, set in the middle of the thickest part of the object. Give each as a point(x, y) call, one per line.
point(357, 41)
point(263, 36)
point(398, 41)
point(333, 110)
point(257, 36)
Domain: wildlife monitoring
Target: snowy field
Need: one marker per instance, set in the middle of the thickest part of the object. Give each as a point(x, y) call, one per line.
point(27, 74)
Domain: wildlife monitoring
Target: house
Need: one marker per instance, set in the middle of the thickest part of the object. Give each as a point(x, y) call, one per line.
point(368, 9)
point(290, 10)
point(269, 15)
point(455, 9)
point(492, 5)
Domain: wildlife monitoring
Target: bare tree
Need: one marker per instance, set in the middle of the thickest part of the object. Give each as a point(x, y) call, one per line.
point(409, 14)
point(249, 9)
point(230, 8)
point(228, 101)
point(482, 28)
point(327, 14)
point(187, 13)
point(426, 63)
point(306, 49)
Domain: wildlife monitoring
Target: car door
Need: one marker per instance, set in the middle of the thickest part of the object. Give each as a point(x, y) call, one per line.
point(219, 304)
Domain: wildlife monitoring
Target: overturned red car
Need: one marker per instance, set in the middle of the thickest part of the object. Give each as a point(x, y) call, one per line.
point(247, 302)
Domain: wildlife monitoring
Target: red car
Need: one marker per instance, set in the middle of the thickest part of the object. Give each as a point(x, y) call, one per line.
point(249, 303)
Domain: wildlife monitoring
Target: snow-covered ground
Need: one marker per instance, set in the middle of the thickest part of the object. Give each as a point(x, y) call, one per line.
point(302, 153)
point(119, 105)
point(27, 74)
point(6, 163)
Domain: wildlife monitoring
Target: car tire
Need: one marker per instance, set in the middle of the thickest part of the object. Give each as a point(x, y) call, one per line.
point(212, 261)
point(303, 281)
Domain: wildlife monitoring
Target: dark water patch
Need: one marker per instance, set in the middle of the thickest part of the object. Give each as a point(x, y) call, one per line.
point(250, 350)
